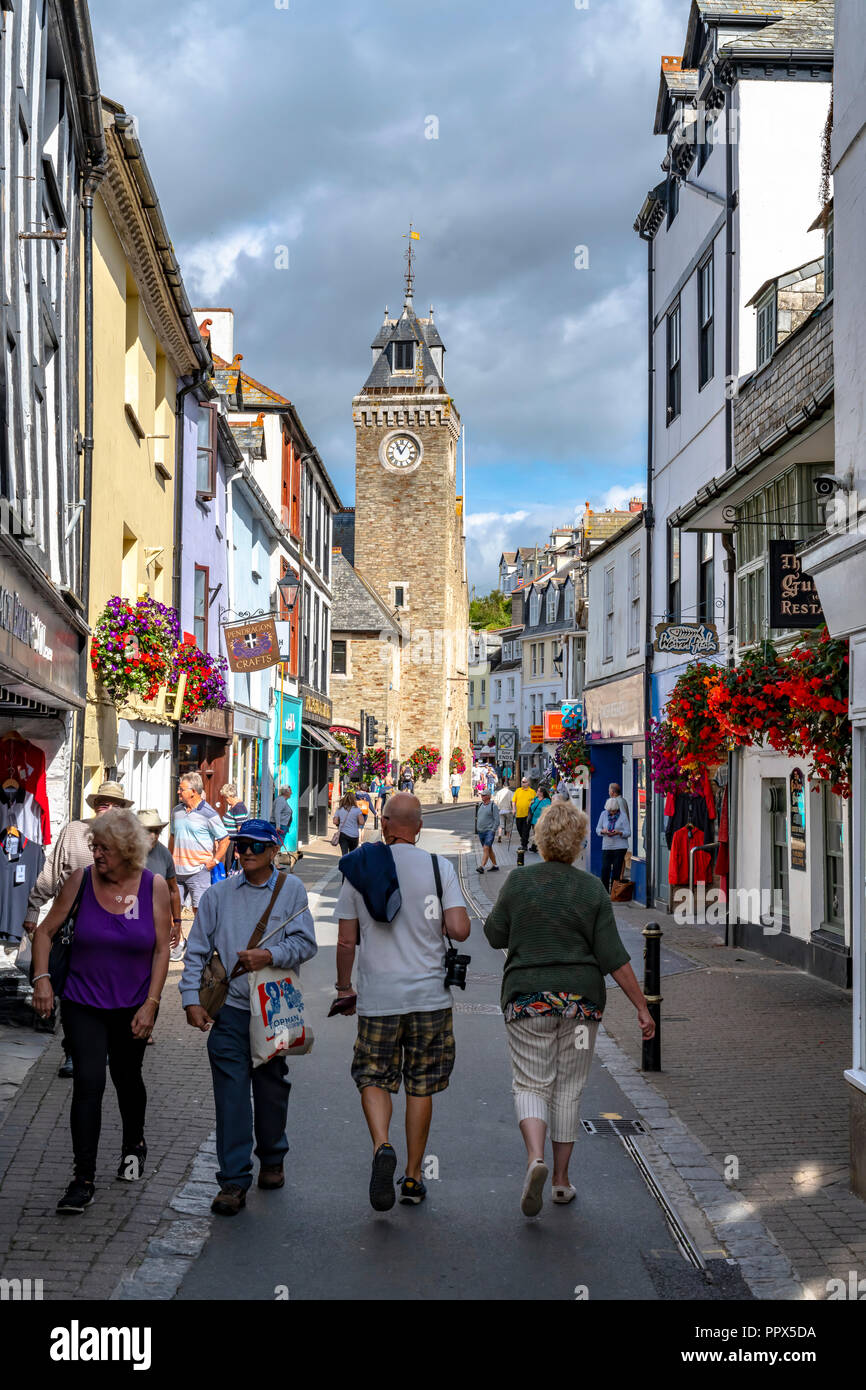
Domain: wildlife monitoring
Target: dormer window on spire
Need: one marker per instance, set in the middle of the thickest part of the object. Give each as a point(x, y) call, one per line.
point(403, 357)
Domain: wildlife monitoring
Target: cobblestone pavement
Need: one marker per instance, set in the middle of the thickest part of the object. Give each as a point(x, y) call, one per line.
point(89, 1256)
point(753, 1053)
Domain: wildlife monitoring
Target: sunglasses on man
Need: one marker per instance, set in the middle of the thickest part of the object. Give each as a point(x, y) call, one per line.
point(254, 846)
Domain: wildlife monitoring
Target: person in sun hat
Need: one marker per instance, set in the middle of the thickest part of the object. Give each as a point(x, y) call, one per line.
point(226, 918)
point(71, 851)
point(159, 861)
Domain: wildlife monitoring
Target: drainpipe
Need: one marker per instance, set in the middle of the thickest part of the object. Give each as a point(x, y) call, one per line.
point(198, 381)
point(92, 179)
point(649, 527)
point(727, 538)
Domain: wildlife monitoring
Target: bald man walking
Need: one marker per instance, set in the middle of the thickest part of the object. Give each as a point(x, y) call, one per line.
point(403, 1005)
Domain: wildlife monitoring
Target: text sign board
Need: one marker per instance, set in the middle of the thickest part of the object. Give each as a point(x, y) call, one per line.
point(536, 733)
point(691, 639)
point(506, 745)
point(794, 601)
point(552, 725)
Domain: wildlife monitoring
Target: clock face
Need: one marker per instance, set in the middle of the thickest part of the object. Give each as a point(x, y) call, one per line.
point(400, 452)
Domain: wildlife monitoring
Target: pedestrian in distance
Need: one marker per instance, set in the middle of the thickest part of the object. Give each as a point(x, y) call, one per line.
point(539, 806)
point(71, 851)
point(349, 820)
point(118, 962)
point(486, 825)
point(522, 801)
point(615, 831)
point(557, 926)
point(386, 790)
point(364, 803)
point(407, 780)
point(403, 1002)
point(198, 842)
point(504, 802)
point(159, 861)
point(225, 922)
point(234, 817)
point(456, 781)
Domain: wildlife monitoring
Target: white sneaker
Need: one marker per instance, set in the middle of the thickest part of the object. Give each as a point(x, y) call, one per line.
point(176, 952)
point(533, 1187)
point(561, 1195)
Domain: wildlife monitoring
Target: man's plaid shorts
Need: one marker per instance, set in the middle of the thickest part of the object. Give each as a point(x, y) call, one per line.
point(422, 1042)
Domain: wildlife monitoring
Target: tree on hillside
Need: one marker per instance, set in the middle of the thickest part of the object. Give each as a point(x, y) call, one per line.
point(493, 610)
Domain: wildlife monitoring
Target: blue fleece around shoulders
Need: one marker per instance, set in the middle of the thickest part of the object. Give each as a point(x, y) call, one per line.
point(371, 869)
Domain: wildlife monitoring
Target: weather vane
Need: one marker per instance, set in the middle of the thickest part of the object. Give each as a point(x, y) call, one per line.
point(410, 236)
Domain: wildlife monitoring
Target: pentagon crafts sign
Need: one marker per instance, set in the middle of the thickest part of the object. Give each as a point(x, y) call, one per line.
point(252, 646)
point(695, 639)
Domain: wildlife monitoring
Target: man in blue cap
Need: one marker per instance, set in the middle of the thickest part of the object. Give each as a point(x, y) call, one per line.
point(227, 917)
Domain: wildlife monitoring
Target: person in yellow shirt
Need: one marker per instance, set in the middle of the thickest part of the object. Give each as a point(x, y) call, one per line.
point(523, 799)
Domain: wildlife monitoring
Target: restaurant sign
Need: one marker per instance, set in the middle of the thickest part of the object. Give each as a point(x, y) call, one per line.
point(794, 601)
point(692, 639)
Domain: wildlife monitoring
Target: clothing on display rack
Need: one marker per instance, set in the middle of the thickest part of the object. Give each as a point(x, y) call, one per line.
point(689, 810)
point(21, 861)
point(684, 841)
point(22, 773)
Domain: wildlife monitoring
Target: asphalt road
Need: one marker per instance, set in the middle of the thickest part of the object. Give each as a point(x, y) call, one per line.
point(318, 1238)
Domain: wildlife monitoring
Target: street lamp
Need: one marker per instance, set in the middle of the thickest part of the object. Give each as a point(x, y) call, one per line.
point(288, 588)
point(557, 662)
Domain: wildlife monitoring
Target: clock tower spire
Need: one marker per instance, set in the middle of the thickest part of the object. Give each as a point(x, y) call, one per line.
point(409, 541)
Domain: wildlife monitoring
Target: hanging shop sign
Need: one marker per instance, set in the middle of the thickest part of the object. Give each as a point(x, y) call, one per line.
point(506, 745)
point(798, 819)
point(794, 601)
point(692, 639)
point(552, 725)
point(536, 733)
point(572, 716)
point(252, 646)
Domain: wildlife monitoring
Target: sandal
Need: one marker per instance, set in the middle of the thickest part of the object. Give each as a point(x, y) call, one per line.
point(561, 1195)
point(533, 1186)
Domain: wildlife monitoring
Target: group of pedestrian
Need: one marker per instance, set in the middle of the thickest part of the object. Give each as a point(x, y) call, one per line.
point(553, 993)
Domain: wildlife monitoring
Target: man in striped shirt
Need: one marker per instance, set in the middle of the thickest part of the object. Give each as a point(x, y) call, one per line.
point(198, 843)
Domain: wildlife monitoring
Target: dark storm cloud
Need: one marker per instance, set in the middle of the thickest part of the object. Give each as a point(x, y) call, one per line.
point(305, 127)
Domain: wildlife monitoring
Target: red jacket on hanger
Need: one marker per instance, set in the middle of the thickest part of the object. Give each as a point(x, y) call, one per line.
point(25, 761)
point(684, 840)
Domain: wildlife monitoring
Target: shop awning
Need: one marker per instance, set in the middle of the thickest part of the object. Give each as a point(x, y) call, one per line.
point(320, 738)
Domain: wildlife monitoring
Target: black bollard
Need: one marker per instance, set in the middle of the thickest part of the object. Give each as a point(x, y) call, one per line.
point(651, 1056)
point(520, 858)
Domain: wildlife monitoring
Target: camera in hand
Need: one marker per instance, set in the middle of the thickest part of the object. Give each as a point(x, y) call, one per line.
point(455, 969)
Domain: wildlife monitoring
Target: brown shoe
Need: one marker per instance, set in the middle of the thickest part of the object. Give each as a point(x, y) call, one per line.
point(271, 1175)
point(229, 1201)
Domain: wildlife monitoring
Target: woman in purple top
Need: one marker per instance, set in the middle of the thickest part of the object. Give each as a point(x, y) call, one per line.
point(118, 962)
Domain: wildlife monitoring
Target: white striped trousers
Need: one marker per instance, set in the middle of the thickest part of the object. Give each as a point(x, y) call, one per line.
point(550, 1061)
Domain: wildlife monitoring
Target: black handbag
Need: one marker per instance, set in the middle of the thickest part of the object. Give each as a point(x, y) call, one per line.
point(61, 946)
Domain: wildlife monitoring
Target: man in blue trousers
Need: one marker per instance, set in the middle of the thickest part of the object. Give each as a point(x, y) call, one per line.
point(226, 919)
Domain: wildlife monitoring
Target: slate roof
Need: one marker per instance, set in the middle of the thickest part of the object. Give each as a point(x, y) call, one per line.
point(407, 328)
point(808, 26)
point(250, 436)
point(228, 376)
point(356, 607)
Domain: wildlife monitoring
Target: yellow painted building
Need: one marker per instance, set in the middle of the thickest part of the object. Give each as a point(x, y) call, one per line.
point(142, 347)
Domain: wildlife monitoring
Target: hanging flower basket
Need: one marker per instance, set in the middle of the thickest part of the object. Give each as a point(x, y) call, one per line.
point(571, 754)
point(702, 741)
point(349, 744)
point(747, 699)
point(666, 774)
point(373, 763)
point(205, 680)
point(816, 686)
point(424, 762)
point(132, 647)
point(457, 762)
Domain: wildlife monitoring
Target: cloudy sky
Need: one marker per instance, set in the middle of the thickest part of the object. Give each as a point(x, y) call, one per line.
point(307, 124)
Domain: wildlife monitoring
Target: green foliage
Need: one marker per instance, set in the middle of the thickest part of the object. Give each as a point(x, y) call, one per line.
point(494, 610)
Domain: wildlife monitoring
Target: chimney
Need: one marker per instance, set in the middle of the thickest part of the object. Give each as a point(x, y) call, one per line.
point(635, 504)
point(222, 331)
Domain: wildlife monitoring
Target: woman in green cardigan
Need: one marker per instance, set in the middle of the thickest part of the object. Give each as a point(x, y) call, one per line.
point(557, 925)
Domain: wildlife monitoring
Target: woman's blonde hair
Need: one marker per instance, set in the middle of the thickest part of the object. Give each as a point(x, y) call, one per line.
point(122, 831)
point(561, 832)
point(348, 801)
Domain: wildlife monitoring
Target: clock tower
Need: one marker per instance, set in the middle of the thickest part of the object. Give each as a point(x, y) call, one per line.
point(409, 540)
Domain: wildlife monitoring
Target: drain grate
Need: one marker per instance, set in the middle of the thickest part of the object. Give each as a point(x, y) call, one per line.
point(615, 1127)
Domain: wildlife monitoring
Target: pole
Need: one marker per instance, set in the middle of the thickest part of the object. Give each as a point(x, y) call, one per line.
point(363, 743)
point(651, 1054)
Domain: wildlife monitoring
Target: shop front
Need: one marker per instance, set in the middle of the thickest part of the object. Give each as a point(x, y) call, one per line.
point(204, 746)
point(615, 724)
point(288, 718)
point(41, 644)
point(249, 757)
point(318, 746)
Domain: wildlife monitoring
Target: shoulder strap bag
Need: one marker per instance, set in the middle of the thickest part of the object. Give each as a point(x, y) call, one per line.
point(215, 980)
point(61, 946)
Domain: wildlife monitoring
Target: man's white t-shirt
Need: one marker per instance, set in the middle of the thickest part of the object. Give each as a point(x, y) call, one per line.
point(401, 964)
point(505, 801)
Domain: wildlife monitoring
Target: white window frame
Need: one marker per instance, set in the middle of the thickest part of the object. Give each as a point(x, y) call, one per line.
point(767, 333)
point(634, 587)
point(550, 604)
point(534, 608)
point(392, 595)
point(608, 616)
